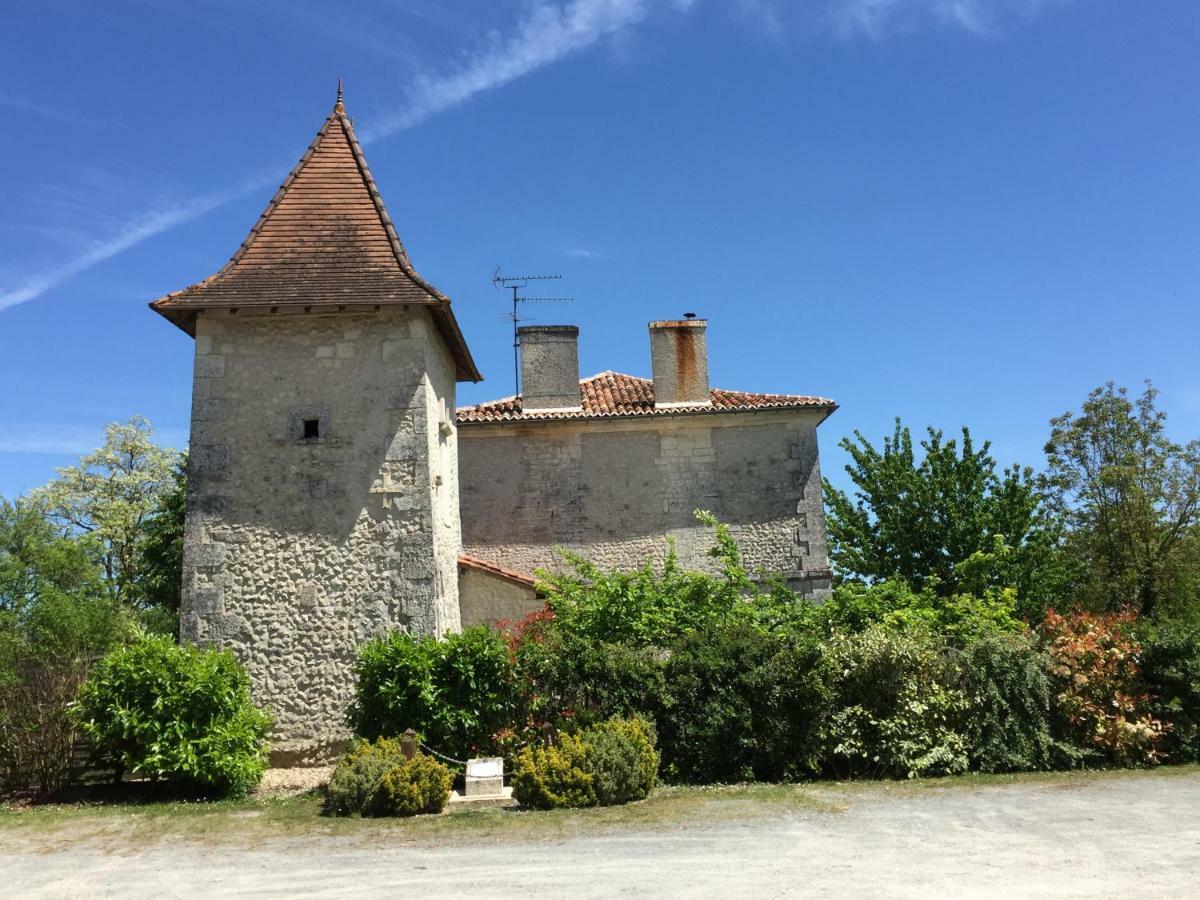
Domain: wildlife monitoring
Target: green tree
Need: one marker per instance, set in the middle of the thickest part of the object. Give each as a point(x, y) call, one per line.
point(949, 521)
point(56, 616)
point(53, 603)
point(111, 495)
point(37, 561)
point(1132, 498)
point(161, 581)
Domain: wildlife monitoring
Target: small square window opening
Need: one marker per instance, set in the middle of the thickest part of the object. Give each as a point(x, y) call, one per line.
point(312, 428)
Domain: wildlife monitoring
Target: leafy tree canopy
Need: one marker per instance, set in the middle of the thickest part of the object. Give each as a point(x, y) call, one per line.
point(1132, 498)
point(54, 607)
point(111, 495)
point(38, 561)
point(161, 581)
point(948, 522)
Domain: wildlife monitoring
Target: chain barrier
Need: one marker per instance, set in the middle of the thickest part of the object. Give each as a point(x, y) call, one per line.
point(451, 759)
point(443, 756)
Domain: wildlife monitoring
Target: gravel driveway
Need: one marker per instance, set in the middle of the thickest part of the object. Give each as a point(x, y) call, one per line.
point(1136, 836)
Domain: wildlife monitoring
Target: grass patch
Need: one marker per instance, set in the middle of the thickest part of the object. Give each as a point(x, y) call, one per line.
point(251, 821)
point(125, 827)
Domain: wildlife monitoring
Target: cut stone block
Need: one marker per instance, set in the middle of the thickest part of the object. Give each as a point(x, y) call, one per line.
point(485, 777)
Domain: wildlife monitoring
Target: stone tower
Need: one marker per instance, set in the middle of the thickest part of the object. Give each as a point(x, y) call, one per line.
point(323, 488)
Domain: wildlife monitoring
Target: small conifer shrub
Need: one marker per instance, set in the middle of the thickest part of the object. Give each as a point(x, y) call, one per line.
point(375, 779)
point(610, 763)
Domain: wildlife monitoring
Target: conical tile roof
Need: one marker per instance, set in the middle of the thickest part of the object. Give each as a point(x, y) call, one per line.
point(324, 240)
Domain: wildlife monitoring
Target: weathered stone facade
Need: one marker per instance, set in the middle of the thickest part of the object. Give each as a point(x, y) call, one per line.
point(299, 549)
point(616, 489)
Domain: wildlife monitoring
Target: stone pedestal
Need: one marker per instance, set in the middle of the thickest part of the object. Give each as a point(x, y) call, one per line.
point(483, 785)
point(484, 778)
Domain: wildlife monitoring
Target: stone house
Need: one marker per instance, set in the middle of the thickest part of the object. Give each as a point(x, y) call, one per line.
point(614, 465)
point(327, 458)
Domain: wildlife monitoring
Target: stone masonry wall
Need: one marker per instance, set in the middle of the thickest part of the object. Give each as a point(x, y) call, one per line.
point(614, 490)
point(297, 550)
point(487, 599)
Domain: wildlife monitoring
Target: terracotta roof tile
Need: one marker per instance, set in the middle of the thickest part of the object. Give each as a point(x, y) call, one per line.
point(611, 394)
point(496, 570)
point(325, 239)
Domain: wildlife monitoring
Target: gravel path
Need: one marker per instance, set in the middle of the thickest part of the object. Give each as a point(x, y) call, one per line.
point(1108, 837)
point(280, 782)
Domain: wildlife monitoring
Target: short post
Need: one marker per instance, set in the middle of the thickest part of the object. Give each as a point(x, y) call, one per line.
point(408, 743)
point(549, 735)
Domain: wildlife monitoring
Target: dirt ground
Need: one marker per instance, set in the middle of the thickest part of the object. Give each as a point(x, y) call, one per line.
point(1079, 836)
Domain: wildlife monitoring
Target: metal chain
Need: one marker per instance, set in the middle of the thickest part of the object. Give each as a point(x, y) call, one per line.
point(449, 759)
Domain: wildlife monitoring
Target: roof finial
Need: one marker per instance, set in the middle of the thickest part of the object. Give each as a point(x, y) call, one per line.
point(339, 99)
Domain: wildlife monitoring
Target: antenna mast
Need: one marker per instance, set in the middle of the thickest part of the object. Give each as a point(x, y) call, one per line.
point(514, 283)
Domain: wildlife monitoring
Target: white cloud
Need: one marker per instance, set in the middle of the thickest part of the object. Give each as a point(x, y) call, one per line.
point(882, 18)
point(135, 232)
point(581, 253)
point(548, 32)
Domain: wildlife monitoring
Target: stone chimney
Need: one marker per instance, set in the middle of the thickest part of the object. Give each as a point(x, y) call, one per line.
point(679, 359)
point(549, 366)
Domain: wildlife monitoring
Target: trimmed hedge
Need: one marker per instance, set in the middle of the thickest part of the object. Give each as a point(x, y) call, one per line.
point(1170, 668)
point(894, 713)
point(880, 681)
point(740, 704)
point(1008, 725)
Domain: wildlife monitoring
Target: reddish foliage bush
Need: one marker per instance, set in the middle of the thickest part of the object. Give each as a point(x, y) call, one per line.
point(1094, 661)
point(525, 634)
point(531, 628)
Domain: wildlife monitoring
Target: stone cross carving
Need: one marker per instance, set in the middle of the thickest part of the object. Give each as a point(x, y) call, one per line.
point(388, 489)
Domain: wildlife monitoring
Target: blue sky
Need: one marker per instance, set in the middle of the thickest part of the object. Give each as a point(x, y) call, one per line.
point(955, 211)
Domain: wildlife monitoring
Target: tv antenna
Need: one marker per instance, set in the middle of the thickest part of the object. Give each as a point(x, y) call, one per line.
point(515, 283)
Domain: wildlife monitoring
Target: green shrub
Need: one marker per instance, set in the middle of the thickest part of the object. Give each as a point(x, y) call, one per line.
point(653, 606)
point(553, 777)
point(566, 677)
point(622, 760)
point(355, 779)
point(1008, 725)
point(1170, 667)
point(375, 779)
point(895, 713)
point(179, 713)
point(610, 763)
point(958, 618)
point(741, 704)
point(457, 692)
point(418, 785)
